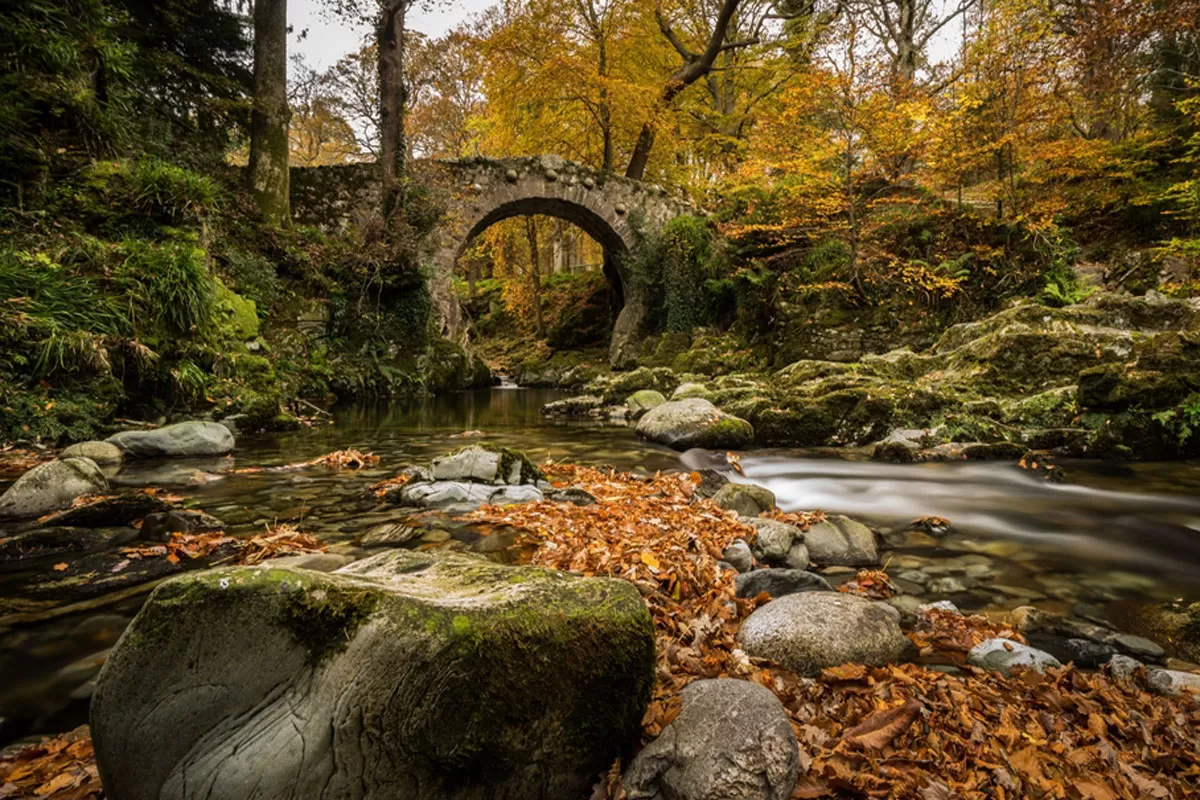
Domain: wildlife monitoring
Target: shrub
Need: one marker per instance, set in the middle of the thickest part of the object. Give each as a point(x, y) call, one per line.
point(168, 192)
point(169, 286)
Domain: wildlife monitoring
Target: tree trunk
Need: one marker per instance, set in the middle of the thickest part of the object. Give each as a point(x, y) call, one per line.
point(393, 106)
point(695, 67)
point(605, 110)
point(269, 182)
point(535, 276)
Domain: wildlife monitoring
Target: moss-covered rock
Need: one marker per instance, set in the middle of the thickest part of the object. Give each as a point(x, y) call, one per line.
point(745, 498)
point(403, 675)
point(615, 387)
point(639, 403)
point(684, 424)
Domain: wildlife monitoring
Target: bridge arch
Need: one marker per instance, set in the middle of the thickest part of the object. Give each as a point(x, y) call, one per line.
point(476, 193)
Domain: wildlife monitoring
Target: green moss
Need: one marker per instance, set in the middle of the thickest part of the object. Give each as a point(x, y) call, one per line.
point(324, 618)
point(239, 315)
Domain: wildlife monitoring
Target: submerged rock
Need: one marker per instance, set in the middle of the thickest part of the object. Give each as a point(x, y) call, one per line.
point(732, 740)
point(51, 486)
point(402, 675)
point(182, 440)
point(683, 424)
point(810, 631)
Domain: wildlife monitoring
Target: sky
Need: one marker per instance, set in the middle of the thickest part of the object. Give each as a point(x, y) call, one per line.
point(330, 38)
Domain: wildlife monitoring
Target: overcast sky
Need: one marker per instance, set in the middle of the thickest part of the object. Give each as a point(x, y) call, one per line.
point(330, 38)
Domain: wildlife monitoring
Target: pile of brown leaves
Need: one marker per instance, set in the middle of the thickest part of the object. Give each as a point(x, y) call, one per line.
point(385, 486)
point(944, 637)
point(901, 731)
point(905, 731)
point(282, 540)
point(664, 538)
point(870, 583)
point(59, 768)
point(182, 545)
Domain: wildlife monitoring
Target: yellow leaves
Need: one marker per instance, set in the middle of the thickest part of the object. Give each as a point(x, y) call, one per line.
point(650, 561)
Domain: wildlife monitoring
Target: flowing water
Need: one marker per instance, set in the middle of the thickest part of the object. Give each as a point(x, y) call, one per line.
point(1111, 532)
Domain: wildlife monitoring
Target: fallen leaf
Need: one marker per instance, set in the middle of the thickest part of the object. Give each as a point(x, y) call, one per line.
point(881, 728)
point(59, 567)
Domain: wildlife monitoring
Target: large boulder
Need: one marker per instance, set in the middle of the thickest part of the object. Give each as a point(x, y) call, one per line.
point(839, 540)
point(463, 496)
point(181, 440)
point(732, 740)
point(695, 422)
point(809, 631)
point(51, 486)
point(402, 675)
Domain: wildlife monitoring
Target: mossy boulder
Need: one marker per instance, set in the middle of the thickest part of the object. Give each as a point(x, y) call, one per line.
point(51, 486)
point(685, 390)
point(615, 387)
point(639, 403)
point(402, 675)
point(683, 424)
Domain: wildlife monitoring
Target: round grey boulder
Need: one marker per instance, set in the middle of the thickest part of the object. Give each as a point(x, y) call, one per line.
point(732, 740)
point(181, 440)
point(746, 499)
point(402, 675)
point(841, 541)
point(813, 630)
point(105, 454)
point(683, 424)
point(52, 486)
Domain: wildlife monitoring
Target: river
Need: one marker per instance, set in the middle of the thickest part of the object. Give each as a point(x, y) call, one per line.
point(1112, 531)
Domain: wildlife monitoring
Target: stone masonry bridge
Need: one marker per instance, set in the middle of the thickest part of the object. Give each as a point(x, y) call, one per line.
point(477, 193)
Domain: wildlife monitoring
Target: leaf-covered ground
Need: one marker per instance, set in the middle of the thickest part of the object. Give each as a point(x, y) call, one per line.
point(901, 731)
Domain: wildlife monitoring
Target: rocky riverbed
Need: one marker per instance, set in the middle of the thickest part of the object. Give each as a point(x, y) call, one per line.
point(728, 615)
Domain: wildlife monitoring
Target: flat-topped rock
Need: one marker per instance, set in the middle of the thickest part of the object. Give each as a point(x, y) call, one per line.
point(402, 675)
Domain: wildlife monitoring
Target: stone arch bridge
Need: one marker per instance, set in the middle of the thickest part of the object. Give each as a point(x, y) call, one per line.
point(477, 193)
